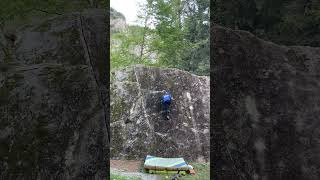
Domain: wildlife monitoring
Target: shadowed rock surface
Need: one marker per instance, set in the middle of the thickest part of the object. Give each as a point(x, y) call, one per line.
point(137, 125)
point(267, 108)
point(53, 89)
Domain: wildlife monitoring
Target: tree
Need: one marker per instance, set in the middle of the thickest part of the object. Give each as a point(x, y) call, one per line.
point(177, 31)
point(182, 28)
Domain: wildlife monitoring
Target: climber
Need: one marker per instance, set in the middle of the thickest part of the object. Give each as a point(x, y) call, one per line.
point(166, 101)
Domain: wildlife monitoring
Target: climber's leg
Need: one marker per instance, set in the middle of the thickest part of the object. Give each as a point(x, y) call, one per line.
point(168, 107)
point(165, 107)
point(166, 110)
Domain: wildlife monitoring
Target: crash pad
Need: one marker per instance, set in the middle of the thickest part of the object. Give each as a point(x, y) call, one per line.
point(171, 164)
point(182, 172)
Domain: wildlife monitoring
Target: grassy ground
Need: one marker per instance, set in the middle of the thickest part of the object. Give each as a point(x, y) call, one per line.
point(202, 172)
point(118, 177)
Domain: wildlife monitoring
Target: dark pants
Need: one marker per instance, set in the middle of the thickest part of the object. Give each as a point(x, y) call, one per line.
point(166, 106)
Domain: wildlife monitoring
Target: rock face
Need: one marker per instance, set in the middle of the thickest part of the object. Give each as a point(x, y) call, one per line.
point(53, 109)
point(117, 21)
point(139, 128)
point(266, 108)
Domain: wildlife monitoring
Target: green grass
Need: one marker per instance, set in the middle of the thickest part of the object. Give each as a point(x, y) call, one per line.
point(202, 172)
point(118, 177)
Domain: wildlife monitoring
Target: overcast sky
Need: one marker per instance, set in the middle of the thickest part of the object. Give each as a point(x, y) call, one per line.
point(129, 8)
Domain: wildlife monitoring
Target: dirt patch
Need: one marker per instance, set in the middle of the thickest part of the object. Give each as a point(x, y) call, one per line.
point(126, 165)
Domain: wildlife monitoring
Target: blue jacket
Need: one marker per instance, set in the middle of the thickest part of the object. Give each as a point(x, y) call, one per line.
point(166, 98)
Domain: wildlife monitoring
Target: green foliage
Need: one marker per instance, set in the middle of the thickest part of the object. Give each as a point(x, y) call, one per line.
point(118, 177)
point(176, 31)
point(183, 31)
point(125, 48)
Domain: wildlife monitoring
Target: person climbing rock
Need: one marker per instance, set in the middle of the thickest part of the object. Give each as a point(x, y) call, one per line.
point(166, 101)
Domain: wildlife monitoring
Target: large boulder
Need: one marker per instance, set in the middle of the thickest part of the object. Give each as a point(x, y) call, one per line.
point(266, 108)
point(117, 21)
point(53, 110)
point(138, 126)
